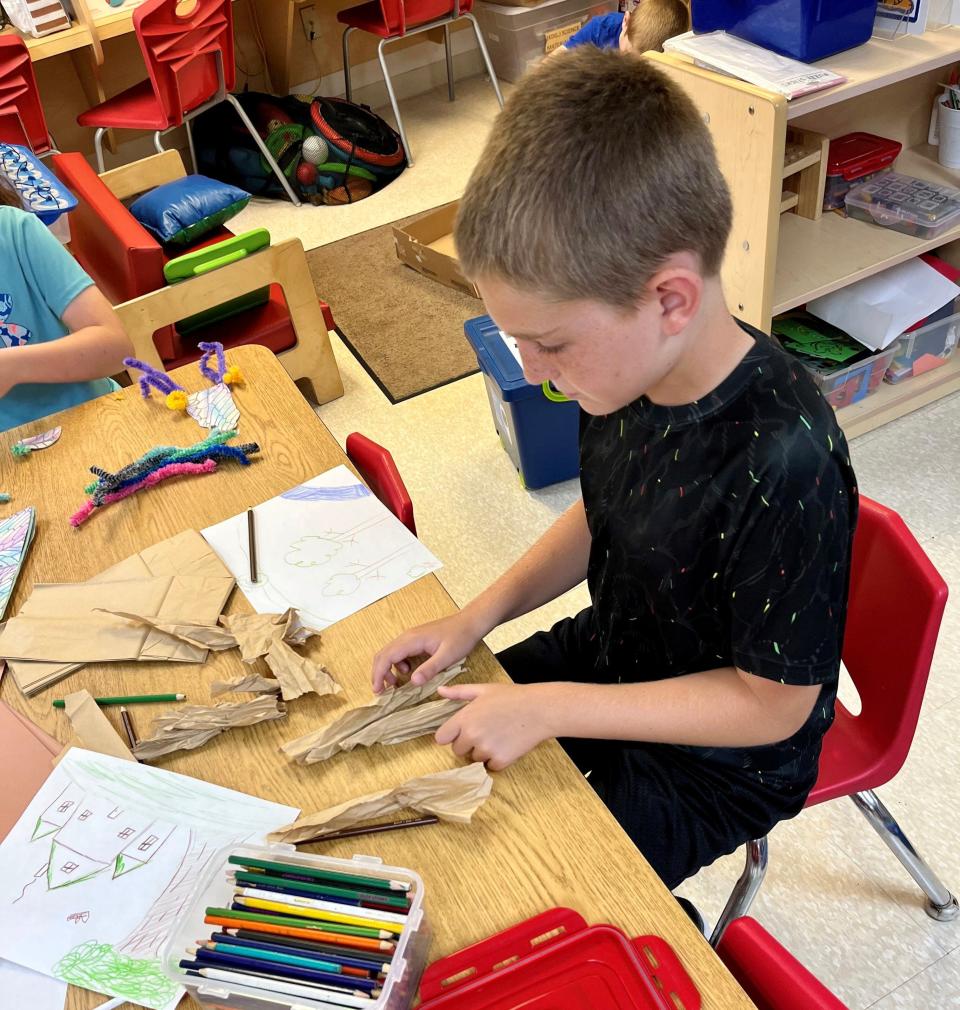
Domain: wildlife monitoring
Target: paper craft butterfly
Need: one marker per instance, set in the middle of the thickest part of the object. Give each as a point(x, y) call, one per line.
point(210, 408)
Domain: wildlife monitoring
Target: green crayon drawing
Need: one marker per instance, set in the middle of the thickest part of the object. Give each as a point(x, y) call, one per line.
point(100, 967)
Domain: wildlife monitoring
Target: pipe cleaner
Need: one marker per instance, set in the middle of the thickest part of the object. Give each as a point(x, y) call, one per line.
point(156, 465)
point(210, 408)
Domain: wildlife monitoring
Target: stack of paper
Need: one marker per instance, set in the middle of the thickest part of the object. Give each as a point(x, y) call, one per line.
point(61, 627)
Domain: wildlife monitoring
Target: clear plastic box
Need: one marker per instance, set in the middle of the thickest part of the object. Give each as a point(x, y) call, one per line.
point(400, 985)
point(516, 36)
point(907, 204)
point(853, 159)
point(924, 349)
point(844, 386)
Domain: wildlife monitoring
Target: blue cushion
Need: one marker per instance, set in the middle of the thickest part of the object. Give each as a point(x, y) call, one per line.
point(181, 212)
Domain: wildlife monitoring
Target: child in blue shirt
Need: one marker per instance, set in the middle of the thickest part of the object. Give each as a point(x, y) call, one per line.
point(59, 336)
point(646, 29)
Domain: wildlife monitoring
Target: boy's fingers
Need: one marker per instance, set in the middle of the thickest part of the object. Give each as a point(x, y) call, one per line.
point(449, 731)
point(461, 692)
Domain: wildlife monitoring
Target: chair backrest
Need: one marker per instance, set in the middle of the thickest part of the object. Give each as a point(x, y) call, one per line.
point(182, 51)
point(769, 974)
point(21, 111)
point(896, 604)
point(378, 469)
point(399, 15)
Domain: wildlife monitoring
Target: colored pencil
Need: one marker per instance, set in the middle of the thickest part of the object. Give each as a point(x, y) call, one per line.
point(374, 960)
point(130, 699)
point(371, 918)
point(328, 892)
point(293, 917)
point(297, 907)
point(281, 957)
point(378, 883)
point(283, 927)
point(371, 829)
point(128, 726)
point(303, 948)
point(276, 985)
point(294, 887)
point(293, 972)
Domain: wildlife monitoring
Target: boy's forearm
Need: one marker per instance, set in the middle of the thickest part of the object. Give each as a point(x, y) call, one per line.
point(90, 353)
point(555, 563)
point(715, 708)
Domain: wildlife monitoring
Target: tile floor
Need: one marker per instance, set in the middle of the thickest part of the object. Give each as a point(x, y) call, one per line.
point(833, 893)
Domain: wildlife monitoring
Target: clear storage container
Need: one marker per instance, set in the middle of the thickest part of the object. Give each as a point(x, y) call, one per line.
point(907, 204)
point(854, 158)
point(516, 37)
point(924, 349)
point(214, 889)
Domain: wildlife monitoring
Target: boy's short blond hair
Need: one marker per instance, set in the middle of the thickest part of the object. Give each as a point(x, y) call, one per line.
point(597, 170)
point(654, 21)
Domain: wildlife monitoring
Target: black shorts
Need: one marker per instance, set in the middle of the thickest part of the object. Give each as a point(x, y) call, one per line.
point(681, 812)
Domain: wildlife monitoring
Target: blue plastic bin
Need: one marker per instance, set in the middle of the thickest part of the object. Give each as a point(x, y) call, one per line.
point(41, 192)
point(541, 435)
point(807, 30)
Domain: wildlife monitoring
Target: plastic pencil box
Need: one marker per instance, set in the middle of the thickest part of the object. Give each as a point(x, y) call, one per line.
point(555, 961)
point(213, 889)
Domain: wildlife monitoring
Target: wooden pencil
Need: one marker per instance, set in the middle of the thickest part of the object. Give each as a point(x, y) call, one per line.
point(268, 924)
point(312, 873)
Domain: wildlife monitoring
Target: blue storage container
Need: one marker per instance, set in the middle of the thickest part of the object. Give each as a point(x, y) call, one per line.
point(539, 429)
point(807, 30)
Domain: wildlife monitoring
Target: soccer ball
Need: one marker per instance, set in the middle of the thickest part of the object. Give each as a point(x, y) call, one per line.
point(315, 150)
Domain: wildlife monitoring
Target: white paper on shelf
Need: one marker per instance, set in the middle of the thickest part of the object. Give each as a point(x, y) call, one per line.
point(880, 308)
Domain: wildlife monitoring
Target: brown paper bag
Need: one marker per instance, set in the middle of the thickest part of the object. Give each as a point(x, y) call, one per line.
point(92, 727)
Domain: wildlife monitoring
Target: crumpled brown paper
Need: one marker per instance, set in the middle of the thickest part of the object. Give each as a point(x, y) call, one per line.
point(252, 683)
point(193, 725)
point(407, 724)
point(204, 636)
point(92, 727)
point(453, 795)
point(324, 743)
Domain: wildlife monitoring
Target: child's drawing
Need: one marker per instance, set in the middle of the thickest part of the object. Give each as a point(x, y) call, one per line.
point(16, 535)
point(100, 864)
point(327, 547)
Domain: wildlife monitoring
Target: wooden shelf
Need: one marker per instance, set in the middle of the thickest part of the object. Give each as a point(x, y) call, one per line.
point(893, 401)
point(816, 257)
point(788, 200)
point(881, 62)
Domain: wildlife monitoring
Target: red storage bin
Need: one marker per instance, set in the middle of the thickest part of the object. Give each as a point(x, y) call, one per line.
point(555, 961)
point(854, 158)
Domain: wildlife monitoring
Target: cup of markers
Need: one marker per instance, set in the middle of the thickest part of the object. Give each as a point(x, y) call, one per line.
point(289, 929)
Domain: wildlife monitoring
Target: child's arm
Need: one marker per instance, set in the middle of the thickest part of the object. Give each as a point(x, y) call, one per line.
point(556, 562)
point(716, 708)
point(95, 347)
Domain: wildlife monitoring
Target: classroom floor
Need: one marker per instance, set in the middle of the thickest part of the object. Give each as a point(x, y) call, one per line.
point(833, 893)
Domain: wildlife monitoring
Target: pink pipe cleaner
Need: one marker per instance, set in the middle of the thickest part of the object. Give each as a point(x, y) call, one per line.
point(171, 470)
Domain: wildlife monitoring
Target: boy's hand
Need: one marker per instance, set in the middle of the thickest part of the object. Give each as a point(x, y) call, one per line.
point(500, 723)
point(446, 642)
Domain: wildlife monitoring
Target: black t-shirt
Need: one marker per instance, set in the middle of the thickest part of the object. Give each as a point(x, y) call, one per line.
point(721, 534)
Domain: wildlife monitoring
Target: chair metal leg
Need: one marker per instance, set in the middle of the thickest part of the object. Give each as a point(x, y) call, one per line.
point(98, 147)
point(741, 898)
point(156, 143)
point(193, 153)
point(348, 84)
point(941, 904)
point(258, 140)
point(486, 57)
point(393, 101)
point(449, 52)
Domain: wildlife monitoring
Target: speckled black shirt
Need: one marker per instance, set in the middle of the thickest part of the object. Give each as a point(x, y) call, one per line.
point(721, 534)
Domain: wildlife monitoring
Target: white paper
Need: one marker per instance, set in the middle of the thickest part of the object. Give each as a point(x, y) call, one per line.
point(29, 989)
point(878, 309)
point(327, 547)
point(94, 873)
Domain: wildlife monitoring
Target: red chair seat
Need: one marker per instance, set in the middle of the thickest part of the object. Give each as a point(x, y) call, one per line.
point(368, 17)
point(850, 762)
point(137, 108)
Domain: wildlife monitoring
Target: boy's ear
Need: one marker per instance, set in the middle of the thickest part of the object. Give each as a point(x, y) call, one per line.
point(677, 288)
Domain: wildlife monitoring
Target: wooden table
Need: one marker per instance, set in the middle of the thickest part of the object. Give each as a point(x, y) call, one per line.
point(542, 839)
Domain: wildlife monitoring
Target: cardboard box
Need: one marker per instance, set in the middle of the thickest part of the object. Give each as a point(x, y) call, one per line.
point(427, 245)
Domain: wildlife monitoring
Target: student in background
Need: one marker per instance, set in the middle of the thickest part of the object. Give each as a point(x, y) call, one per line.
point(650, 24)
point(59, 337)
point(718, 501)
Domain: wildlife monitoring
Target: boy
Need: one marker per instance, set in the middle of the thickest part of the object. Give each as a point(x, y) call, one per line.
point(650, 24)
point(718, 500)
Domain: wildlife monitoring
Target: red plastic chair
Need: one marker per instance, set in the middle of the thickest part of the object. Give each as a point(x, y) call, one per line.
point(21, 111)
point(896, 604)
point(381, 475)
point(191, 67)
point(769, 974)
point(393, 19)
